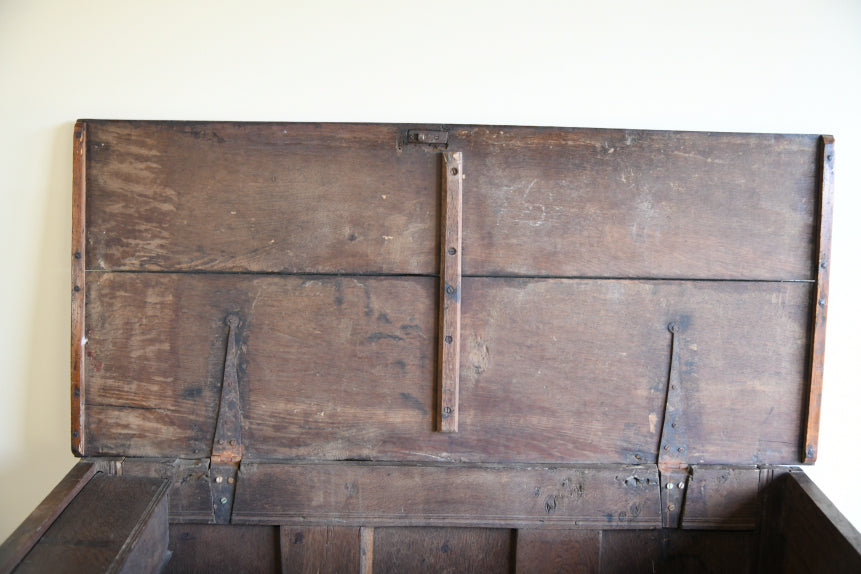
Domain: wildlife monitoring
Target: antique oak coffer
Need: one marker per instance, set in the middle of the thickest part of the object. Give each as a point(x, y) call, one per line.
point(392, 348)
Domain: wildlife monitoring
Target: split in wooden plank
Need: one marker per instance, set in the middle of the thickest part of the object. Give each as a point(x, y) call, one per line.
point(450, 292)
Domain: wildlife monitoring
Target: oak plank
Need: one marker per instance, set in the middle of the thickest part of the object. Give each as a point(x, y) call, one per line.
point(101, 529)
point(220, 548)
point(383, 494)
point(451, 550)
point(79, 248)
point(343, 367)
point(563, 551)
point(823, 270)
point(320, 198)
point(314, 549)
point(722, 498)
point(676, 551)
point(22, 540)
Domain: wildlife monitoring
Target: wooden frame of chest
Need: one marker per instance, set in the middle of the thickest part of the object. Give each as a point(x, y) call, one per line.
point(392, 348)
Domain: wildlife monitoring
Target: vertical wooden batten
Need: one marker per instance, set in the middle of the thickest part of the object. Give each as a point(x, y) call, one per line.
point(79, 240)
point(820, 302)
point(450, 291)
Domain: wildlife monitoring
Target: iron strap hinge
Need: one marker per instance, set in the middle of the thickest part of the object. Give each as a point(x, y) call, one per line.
point(227, 443)
point(673, 446)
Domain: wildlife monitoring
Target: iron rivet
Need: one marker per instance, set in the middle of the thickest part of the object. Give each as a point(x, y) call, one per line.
point(230, 480)
point(824, 265)
point(219, 479)
point(673, 425)
point(448, 339)
point(452, 250)
point(681, 485)
point(822, 302)
point(233, 442)
point(673, 327)
point(223, 500)
point(449, 289)
point(666, 447)
point(447, 410)
point(221, 441)
point(76, 288)
point(671, 507)
point(670, 486)
point(77, 392)
point(673, 387)
point(828, 157)
point(680, 449)
point(454, 171)
point(75, 433)
point(77, 254)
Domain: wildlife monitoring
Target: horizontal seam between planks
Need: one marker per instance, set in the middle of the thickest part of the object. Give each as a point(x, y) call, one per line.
point(436, 276)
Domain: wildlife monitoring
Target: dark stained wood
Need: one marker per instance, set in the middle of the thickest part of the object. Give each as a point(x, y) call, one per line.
point(450, 292)
point(101, 529)
point(622, 203)
point(206, 548)
point(721, 497)
point(326, 198)
point(538, 201)
point(79, 244)
point(309, 550)
point(190, 485)
point(551, 370)
point(676, 551)
point(371, 494)
point(450, 550)
point(811, 534)
point(560, 551)
point(34, 526)
point(823, 260)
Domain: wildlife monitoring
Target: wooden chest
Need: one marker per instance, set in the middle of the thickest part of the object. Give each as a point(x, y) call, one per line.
point(391, 348)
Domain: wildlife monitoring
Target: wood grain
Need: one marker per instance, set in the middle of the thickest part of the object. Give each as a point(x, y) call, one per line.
point(22, 540)
point(820, 304)
point(342, 198)
point(79, 244)
point(208, 548)
point(329, 198)
point(377, 494)
point(623, 203)
point(450, 550)
point(450, 292)
point(343, 368)
point(100, 529)
point(309, 550)
point(722, 498)
point(811, 534)
point(561, 551)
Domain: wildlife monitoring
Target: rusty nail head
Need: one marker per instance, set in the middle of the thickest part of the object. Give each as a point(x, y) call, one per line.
point(681, 449)
point(447, 410)
point(449, 289)
point(824, 265)
point(76, 288)
point(673, 327)
point(223, 500)
point(673, 425)
point(230, 480)
point(77, 254)
point(452, 250)
point(221, 441)
point(219, 479)
point(666, 447)
point(671, 507)
point(828, 157)
point(454, 171)
point(681, 485)
point(75, 433)
point(233, 442)
point(448, 339)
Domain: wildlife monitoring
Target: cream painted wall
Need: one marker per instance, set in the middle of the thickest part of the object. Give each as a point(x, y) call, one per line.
point(729, 65)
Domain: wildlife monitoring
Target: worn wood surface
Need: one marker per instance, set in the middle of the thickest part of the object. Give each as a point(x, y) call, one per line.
point(722, 497)
point(208, 548)
point(451, 550)
point(808, 533)
point(559, 551)
point(79, 245)
point(372, 494)
point(551, 370)
point(309, 550)
point(100, 530)
point(676, 551)
point(191, 485)
point(22, 540)
point(538, 201)
point(450, 292)
point(820, 303)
